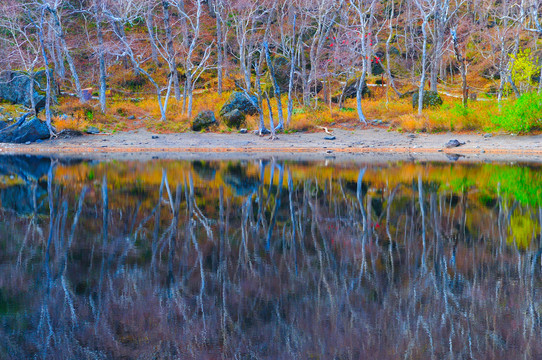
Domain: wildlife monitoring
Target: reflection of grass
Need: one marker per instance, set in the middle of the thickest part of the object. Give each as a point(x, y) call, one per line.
point(519, 182)
point(523, 229)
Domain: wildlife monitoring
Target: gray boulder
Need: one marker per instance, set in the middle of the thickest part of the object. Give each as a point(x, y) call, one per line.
point(92, 130)
point(430, 99)
point(239, 101)
point(15, 88)
point(234, 119)
point(24, 131)
point(351, 90)
point(453, 143)
point(203, 120)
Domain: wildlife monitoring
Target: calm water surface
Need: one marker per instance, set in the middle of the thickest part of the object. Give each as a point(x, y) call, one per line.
point(269, 260)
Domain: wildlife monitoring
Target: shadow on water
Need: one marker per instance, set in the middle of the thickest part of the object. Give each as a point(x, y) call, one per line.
point(266, 259)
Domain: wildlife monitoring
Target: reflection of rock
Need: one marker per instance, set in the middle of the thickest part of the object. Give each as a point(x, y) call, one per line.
point(453, 157)
point(352, 187)
point(205, 170)
point(26, 167)
point(242, 184)
point(20, 198)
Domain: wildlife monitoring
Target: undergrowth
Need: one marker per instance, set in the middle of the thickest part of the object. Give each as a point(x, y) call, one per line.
point(125, 113)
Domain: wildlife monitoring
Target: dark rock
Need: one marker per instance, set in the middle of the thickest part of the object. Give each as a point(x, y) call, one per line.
point(487, 136)
point(282, 68)
point(331, 137)
point(408, 94)
point(264, 132)
point(25, 131)
point(243, 131)
point(93, 130)
point(454, 143)
point(15, 88)
point(86, 94)
point(131, 117)
point(154, 137)
point(69, 133)
point(430, 99)
point(203, 120)
point(234, 118)
point(350, 91)
point(239, 101)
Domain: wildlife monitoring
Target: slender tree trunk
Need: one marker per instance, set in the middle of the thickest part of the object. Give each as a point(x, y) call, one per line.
point(150, 29)
point(292, 74)
point(69, 59)
point(424, 58)
point(359, 94)
point(190, 91)
point(271, 122)
point(391, 82)
point(463, 68)
point(172, 61)
point(219, 47)
point(438, 35)
point(101, 56)
point(47, 75)
point(31, 77)
point(509, 73)
point(275, 85)
point(304, 74)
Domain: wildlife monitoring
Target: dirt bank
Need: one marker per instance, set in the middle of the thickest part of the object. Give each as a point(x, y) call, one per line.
point(367, 144)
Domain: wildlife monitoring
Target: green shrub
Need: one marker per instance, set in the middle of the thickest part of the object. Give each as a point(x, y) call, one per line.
point(521, 115)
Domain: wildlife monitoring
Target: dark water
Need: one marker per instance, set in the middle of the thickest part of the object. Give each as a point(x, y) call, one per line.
point(269, 260)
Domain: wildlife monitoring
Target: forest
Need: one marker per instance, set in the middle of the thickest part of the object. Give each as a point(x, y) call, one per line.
point(275, 65)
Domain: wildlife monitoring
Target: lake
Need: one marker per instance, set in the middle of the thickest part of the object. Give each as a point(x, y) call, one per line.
point(268, 259)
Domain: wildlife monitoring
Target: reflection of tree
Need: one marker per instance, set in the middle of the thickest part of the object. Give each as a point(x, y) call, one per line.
point(290, 266)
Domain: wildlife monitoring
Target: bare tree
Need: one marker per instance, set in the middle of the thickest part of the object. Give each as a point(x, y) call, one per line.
point(426, 9)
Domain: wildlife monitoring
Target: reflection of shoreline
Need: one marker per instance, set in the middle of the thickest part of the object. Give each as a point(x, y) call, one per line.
point(365, 155)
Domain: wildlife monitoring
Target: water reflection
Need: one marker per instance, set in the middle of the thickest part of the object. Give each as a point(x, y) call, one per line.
point(268, 259)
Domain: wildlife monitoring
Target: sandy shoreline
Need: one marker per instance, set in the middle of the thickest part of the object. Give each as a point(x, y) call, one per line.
point(367, 145)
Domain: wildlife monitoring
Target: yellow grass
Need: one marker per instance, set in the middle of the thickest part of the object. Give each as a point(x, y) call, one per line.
point(399, 113)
